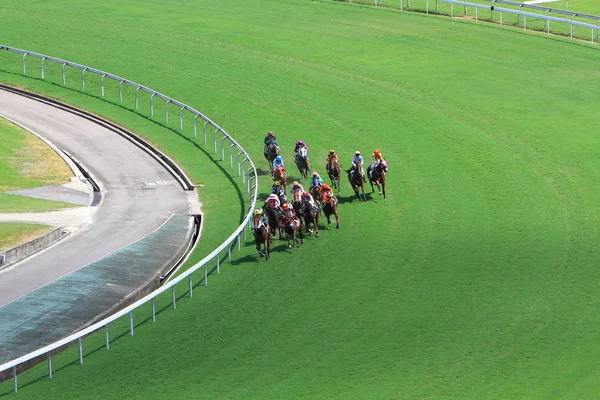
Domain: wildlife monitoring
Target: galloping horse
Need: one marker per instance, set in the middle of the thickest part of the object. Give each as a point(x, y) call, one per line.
point(302, 163)
point(297, 202)
point(377, 175)
point(311, 216)
point(333, 170)
point(357, 181)
point(315, 192)
point(329, 206)
point(262, 237)
point(292, 227)
point(280, 175)
point(274, 216)
point(271, 152)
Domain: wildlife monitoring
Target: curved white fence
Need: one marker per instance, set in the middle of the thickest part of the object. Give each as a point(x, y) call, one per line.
point(248, 175)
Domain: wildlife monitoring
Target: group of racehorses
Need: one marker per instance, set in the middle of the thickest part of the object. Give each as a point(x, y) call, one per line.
point(307, 215)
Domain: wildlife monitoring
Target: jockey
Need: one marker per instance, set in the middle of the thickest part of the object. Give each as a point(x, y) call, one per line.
point(300, 143)
point(278, 162)
point(358, 160)
point(297, 188)
point(273, 202)
point(316, 179)
point(288, 211)
point(310, 200)
point(270, 138)
point(277, 189)
point(376, 159)
point(326, 192)
point(331, 157)
point(261, 217)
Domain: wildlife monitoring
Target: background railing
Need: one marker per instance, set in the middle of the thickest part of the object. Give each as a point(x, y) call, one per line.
point(565, 23)
point(244, 165)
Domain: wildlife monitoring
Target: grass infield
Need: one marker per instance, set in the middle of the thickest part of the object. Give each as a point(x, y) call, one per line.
point(476, 278)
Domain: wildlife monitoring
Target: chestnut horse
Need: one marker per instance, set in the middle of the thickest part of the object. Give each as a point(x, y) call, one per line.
point(262, 237)
point(280, 175)
point(292, 228)
point(377, 175)
point(333, 170)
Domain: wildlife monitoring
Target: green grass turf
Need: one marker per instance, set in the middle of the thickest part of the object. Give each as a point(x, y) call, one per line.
point(477, 278)
point(14, 233)
point(27, 163)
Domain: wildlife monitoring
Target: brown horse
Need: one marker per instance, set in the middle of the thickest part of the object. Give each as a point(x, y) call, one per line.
point(280, 175)
point(292, 228)
point(274, 216)
point(377, 176)
point(329, 206)
point(262, 237)
point(334, 170)
point(271, 153)
point(302, 162)
point(311, 215)
point(315, 192)
point(357, 181)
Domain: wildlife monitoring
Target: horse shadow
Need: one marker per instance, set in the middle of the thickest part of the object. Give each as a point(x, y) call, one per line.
point(352, 198)
point(262, 172)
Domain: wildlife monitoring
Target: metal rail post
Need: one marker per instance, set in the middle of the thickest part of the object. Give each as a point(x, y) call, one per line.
point(137, 97)
point(231, 155)
point(173, 297)
point(131, 322)
point(64, 79)
point(223, 148)
point(80, 350)
point(205, 275)
point(24, 64)
point(15, 383)
point(83, 79)
point(153, 311)
point(204, 131)
point(215, 140)
point(49, 365)
point(152, 104)
point(181, 118)
point(167, 112)
point(121, 91)
point(238, 163)
point(102, 84)
point(218, 264)
point(190, 285)
point(107, 339)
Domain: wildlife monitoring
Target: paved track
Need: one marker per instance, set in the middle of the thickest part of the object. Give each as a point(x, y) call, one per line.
point(130, 209)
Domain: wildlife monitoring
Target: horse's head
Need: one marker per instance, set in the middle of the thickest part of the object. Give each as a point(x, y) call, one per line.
point(382, 167)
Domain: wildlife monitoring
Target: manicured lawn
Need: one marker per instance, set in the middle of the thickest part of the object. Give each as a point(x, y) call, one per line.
point(476, 278)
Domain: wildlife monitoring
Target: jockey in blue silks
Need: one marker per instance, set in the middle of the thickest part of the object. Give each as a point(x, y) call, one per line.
point(316, 180)
point(357, 161)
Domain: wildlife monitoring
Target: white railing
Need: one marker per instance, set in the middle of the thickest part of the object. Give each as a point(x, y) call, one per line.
point(433, 6)
point(249, 179)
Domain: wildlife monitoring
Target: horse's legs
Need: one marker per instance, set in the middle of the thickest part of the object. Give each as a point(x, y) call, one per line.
point(258, 249)
point(316, 222)
point(383, 187)
point(267, 247)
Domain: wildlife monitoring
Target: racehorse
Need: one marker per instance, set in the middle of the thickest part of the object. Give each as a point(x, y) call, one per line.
point(311, 216)
point(357, 181)
point(262, 237)
point(302, 163)
point(297, 202)
point(333, 170)
point(329, 206)
point(271, 152)
point(280, 175)
point(377, 175)
point(274, 216)
point(315, 192)
point(292, 227)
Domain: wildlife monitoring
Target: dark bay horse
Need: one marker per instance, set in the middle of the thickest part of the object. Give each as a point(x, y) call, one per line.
point(274, 217)
point(357, 181)
point(334, 170)
point(262, 237)
point(302, 162)
point(329, 206)
point(280, 175)
point(271, 152)
point(311, 215)
point(292, 228)
point(377, 176)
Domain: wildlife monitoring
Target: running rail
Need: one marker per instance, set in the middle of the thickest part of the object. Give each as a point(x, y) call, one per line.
point(248, 175)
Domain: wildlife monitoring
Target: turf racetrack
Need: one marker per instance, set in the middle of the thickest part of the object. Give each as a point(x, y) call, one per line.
point(476, 278)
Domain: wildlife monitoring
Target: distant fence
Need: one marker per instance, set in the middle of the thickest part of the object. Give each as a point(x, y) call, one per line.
point(238, 160)
point(540, 19)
